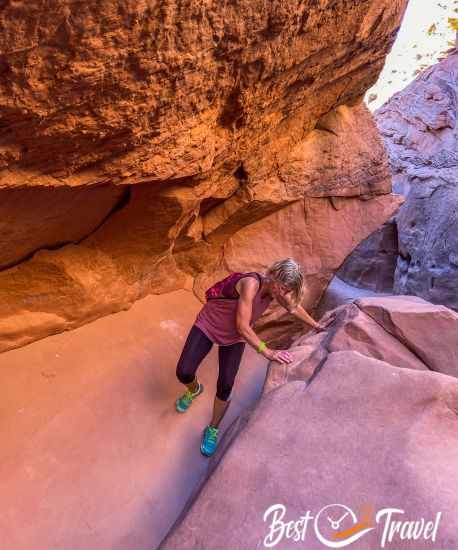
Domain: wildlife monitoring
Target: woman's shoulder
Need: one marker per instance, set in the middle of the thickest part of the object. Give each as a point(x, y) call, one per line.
point(255, 275)
point(250, 279)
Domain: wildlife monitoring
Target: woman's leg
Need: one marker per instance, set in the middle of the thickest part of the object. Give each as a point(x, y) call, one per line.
point(229, 362)
point(196, 347)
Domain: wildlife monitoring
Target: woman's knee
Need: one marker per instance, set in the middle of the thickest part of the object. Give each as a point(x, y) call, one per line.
point(196, 347)
point(183, 376)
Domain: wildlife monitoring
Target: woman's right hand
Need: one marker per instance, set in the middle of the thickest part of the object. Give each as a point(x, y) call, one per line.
point(279, 355)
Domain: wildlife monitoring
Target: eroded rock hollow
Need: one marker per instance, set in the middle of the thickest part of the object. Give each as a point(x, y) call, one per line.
point(152, 145)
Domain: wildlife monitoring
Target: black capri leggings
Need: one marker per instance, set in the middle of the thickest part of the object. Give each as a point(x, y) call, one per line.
point(196, 347)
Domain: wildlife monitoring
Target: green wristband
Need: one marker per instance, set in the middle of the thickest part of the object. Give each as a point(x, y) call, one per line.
point(262, 346)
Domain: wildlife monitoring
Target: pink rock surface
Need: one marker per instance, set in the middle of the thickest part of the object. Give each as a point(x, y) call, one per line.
point(364, 434)
point(405, 331)
point(429, 331)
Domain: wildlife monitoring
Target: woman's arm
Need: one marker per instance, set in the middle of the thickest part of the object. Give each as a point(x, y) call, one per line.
point(247, 288)
point(298, 311)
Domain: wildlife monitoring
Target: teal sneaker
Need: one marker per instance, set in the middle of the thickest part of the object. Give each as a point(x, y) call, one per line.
point(182, 403)
point(209, 441)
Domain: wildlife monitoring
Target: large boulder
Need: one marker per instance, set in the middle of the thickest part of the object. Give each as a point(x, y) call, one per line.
point(405, 331)
point(339, 292)
point(174, 129)
point(372, 264)
point(363, 437)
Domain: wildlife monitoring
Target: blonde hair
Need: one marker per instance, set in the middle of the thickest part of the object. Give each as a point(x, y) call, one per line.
point(289, 273)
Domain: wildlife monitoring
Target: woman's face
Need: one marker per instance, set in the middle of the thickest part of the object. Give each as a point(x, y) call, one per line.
point(279, 289)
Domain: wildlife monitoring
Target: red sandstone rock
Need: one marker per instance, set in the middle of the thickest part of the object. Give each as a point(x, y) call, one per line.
point(134, 91)
point(41, 218)
point(227, 117)
point(156, 242)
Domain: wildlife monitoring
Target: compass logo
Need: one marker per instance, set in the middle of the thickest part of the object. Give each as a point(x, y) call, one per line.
point(337, 525)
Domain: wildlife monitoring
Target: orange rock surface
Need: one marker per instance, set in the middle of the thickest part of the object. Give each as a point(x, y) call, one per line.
point(94, 454)
point(140, 140)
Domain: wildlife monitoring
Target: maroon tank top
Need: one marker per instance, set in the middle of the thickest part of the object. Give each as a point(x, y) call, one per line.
point(218, 317)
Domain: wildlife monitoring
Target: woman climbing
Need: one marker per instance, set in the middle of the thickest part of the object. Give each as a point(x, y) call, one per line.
point(232, 306)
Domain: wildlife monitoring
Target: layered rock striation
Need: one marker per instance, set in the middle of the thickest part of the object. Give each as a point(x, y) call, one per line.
point(140, 141)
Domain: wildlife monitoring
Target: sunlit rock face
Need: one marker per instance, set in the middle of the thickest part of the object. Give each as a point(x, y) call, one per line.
point(139, 140)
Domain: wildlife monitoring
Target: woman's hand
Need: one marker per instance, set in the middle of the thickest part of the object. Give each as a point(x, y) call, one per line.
point(325, 324)
point(279, 355)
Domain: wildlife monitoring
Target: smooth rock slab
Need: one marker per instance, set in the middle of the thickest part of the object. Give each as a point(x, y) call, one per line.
point(429, 331)
point(362, 434)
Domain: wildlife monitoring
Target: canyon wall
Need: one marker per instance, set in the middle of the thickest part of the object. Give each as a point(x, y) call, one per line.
point(146, 147)
point(417, 253)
